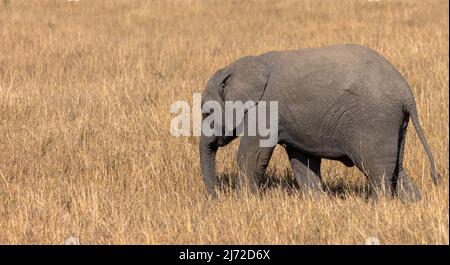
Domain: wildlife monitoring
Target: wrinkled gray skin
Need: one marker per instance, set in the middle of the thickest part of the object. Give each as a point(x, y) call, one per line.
point(345, 103)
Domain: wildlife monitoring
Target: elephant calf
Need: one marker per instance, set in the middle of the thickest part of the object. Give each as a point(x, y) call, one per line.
point(345, 103)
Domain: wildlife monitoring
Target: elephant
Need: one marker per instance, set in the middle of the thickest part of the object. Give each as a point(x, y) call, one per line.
point(343, 102)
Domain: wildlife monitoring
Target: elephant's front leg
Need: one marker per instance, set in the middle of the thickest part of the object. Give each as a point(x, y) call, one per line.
point(306, 170)
point(252, 161)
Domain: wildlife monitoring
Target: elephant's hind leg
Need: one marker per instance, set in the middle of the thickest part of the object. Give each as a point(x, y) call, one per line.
point(306, 169)
point(378, 160)
point(405, 188)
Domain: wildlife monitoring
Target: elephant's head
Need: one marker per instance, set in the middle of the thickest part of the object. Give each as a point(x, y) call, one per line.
point(244, 80)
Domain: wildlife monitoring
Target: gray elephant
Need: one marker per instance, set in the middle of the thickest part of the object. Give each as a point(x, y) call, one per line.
point(344, 103)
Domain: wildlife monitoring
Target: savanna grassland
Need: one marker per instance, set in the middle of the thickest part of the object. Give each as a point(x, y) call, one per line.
point(85, 146)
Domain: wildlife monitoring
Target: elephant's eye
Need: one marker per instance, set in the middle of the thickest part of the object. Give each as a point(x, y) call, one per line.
point(224, 84)
point(222, 89)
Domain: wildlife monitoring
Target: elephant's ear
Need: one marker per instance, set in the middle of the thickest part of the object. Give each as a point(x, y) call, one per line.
point(246, 81)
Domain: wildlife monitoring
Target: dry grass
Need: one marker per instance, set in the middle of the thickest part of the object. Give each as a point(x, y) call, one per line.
point(85, 148)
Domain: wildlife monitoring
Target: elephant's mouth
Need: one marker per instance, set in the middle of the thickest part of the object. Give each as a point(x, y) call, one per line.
point(224, 140)
point(224, 137)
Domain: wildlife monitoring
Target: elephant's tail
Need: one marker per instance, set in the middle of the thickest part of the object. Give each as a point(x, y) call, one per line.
point(411, 109)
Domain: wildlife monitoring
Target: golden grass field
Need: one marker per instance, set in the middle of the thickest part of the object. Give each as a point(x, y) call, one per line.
point(85, 146)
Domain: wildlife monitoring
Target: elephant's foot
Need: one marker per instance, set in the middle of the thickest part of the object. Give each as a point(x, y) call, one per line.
point(407, 190)
point(249, 183)
point(309, 185)
point(380, 188)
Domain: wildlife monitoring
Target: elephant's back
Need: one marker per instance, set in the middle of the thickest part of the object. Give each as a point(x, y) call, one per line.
point(345, 53)
point(331, 71)
point(343, 59)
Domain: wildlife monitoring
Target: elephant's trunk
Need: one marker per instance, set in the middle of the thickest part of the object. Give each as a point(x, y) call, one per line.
point(208, 151)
